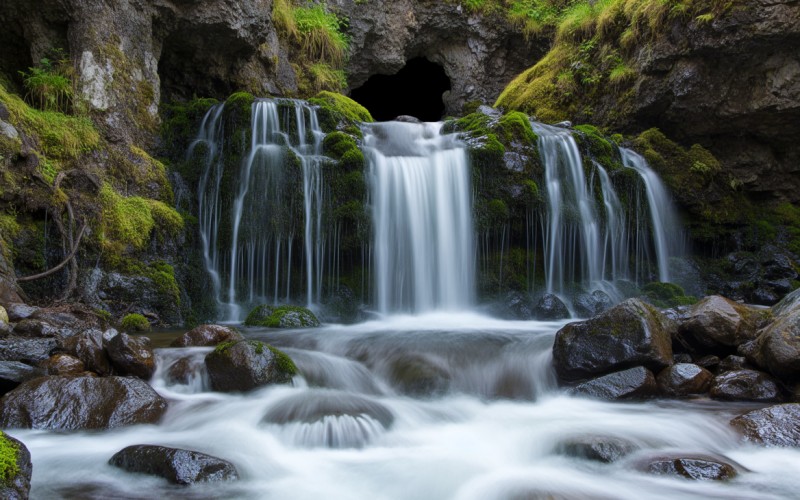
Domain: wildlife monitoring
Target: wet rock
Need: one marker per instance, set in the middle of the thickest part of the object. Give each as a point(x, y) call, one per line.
point(773, 426)
point(180, 372)
point(26, 349)
point(633, 383)
point(132, 355)
point(36, 328)
point(778, 347)
point(733, 363)
point(57, 318)
point(516, 305)
point(18, 486)
point(13, 373)
point(344, 307)
point(281, 317)
point(206, 336)
point(247, 364)
point(684, 379)
point(75, 403)
point(419, 375)
point(681, 357)
point(62, 364)
point(604, 449)
point(716, 321)
point(550, 308)
point(690, 466)
point(745, 385)
point(316, 405)
point(173, 464)
point(88, 347)
point(709, 362)
point(630, 334)
point(18, 312)
point(588, 305)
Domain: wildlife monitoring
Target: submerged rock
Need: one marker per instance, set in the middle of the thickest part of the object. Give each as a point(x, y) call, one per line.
point(132, 355)
point(746, 385)
point(633, 383)
point(75, 403)
point(206, 336)
point(605, 449)
point(630, 334)
point(17, 469)
point(247, 364)
point(550, 308)
point(174, 464)
point(690, 466)
point(684, 379)
point(419, 375)
point(777, 425)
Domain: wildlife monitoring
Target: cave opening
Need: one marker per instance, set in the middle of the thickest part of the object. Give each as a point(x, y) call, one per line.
point(416, 90)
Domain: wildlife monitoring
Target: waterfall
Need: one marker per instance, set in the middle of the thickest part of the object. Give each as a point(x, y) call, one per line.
point(667, 233)
point(249, 240)
point(420, 195)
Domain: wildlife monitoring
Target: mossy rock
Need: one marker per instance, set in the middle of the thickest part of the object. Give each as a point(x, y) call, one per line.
point(281, 317)
point(15, 468)
point(134, 323)
point(337, 111)
point(663, 294)
point(243, 365)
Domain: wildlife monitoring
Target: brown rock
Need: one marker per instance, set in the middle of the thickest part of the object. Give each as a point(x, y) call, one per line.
point(684, 379)
point(132, 355)
point(746, 385)
point(63, 364)
point(206, 336)
point(773, 426)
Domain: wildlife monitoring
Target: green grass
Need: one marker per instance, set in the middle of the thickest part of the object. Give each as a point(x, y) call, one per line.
point(320, 34)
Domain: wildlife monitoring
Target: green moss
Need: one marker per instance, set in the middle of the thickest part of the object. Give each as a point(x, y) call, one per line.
point(258, 314)
point(337, 144)
point(241, 101)
point(498, 212)
point(284, 362)
point(352, 159)
point(134, 323)
point(9, 466)
point(272, 317)
point(224, 346)
point(337, 111)
point(664, 294)
point(516, 125)
point(126, 221)
point(597, 145)
point(166, 218)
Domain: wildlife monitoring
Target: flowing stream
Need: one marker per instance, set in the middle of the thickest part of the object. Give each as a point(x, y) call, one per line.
point(428, 407)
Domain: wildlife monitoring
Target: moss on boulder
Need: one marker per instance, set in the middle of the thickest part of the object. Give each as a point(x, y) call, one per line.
point(338, 111)
point(284, 316)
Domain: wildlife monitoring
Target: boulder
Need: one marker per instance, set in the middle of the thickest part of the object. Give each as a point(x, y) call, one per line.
point(716, 321)
point(745, 385)
point(588, 305)
point(76, 403)
point(29, 350)
point(630, 334)
point(732, 363)
point(88, 347)
point(281, 317)
point(62, 364)
point(550, 308)
point(777, 425)
point(173, 464)
point(314, 406)
point(709, 362)
point(684, 379)
point(778, 347)
point(604, 449)
point(180, 371)
point(698, 467)
point(206, 336)
point(13, 373)
point(18, 311)
point(5, 328)
point(132, 355)
point(247, 364)
point(16, 483)
point(516, 305)
point(36, 328)
point(633, 383)
point(419, 375)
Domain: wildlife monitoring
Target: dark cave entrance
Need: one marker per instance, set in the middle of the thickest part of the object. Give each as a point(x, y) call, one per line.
point(416, 90)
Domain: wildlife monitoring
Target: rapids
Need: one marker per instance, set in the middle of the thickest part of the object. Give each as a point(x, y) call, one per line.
point(354, 427)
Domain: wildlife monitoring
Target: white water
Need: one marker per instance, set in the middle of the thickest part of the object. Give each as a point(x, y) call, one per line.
point(421, 200)
point(493, 434)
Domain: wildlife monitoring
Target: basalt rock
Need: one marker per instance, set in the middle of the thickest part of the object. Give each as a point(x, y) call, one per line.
point(173, 464)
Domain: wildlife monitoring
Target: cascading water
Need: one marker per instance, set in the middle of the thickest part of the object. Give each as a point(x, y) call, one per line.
point(420, 195)
point(253, 261)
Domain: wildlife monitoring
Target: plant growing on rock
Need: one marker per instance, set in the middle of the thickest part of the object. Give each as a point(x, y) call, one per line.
point(49, 84)
point(135, 323)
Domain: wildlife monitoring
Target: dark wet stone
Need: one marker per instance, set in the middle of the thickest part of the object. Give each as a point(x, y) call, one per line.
point(696, 467)
point(598, 448)
point(681, 357)
point(717, 321)
point(88, 347)
point(709, 362)
point(778, 346)
point(633, 383)
point(247, 364)
point(173, 464)
point(132, 355)
point(777, 425)
point(206, 336)
point(17, 487)
point(13, 373)
point(62, 364)
point(550, 308)
point(74, 403)
point(746, 385)
point(29, 350)
point(588, 305)
point(314, 406)
point(629, 334)
point(684, 379)
point(732, 363)
point(180, 372)
point(419, 375)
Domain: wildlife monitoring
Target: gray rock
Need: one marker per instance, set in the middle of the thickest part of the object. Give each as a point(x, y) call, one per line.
point(604, 449)
point(588, 305)
point(773, 426)
point(746, 385)
point(550, 307)
point(13, 373)
point(633, 383)
point(246, 365)
point(419, 375)
point(778, 346)
point(173, 464)
point(19, 311)
point(206, 336)
point(684, 379)
point(76, 403)
point(630, 334)
point(732, 363)
point(88, 347)
point(26, 349)
point(697, 467)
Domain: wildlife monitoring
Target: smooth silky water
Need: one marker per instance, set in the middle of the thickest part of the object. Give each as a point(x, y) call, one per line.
point(493, 432)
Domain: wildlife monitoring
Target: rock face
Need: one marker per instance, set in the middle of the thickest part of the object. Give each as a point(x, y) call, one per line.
point(206, 336)
point(247, 364)
point(18, 486)
point(630, 334)
point(745, 385)
point(684, 379)
point(774, 426)
point(175, 465)
point(132, 355)
point(66, 404)
point(633, 383)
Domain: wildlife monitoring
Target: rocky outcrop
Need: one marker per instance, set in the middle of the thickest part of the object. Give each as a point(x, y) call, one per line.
point(173, 464)
point(66, 404)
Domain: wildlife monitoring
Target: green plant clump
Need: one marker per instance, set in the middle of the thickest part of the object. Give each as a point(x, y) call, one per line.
point(336, 110)
point(135, 323)
point(663, 294)
point(9, 468)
